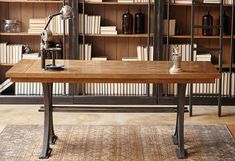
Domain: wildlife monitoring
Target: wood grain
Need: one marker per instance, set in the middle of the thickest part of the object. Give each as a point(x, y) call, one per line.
point(77, 71)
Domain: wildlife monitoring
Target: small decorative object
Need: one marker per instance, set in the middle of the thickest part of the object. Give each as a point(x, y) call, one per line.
point(139, 22)
point(26, 49)
point(176, 60)
point(127, 23)
point(225, 24)
point(207, 23)
point(11, 26)
point(46, 36)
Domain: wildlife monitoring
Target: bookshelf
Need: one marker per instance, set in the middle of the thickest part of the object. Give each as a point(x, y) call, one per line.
point(33, 1)
point(223, 63)
point(115, 47)
point(111, 15)
point(119, 35)
point(22, 11)
point(23, 34)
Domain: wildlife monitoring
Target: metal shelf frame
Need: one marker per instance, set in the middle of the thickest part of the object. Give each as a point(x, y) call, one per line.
point(220, 50)
point(74, 36)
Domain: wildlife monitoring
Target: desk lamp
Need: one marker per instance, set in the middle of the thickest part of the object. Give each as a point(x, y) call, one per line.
point(66, 12)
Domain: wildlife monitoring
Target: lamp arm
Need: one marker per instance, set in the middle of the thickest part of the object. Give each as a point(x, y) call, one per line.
point(50, 18)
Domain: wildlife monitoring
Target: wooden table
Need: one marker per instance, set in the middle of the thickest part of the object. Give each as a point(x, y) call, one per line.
point(112, 72)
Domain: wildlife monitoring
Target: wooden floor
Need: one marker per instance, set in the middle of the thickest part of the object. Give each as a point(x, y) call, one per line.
point(28, 114)
point(231, 128)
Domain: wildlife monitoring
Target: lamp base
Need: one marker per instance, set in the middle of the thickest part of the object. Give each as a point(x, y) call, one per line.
point(54, 67)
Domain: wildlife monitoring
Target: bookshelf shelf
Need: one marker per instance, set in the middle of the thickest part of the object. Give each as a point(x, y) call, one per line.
point(31, 1)
point(117, 3)
point(23, 34)
point(198, 37)
point(199, 4)
point(119, 35)
point(225, 66)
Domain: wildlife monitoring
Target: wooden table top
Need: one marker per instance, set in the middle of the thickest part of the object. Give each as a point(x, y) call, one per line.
point(77, 71)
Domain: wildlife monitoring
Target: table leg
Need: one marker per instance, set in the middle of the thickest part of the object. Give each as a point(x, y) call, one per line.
point(53, 137)
point(48, 136)
point(175, 136)
point(181, 153)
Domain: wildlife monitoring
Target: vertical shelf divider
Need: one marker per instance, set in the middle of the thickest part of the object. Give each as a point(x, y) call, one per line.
point(231, 51)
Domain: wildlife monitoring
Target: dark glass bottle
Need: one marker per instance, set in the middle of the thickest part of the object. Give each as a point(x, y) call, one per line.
point(207, 22)
point(127, 23)
point(139, 22)
point(225, 24)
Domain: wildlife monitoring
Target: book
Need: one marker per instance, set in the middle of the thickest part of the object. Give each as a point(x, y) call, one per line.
point(203, 57)
point(35, 31)
point(183, 1)
point(129, 59)
point(211, 1)
point(108, 32)
point(3, 53)
point(172, 24)
point(101, 58)
point(93, 1)
point(4, 85)
point(109, 28)
point(37, 21)
point(89, 24)
point(31, 56)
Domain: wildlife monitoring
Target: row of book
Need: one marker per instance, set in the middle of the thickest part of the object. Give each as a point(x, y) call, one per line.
point(143, 55)
point(218, 1)
point(184, 49)
point(141, 89)
point(204, 1)
point(134, 1)
point(7, 83)
point(122, 1)
point(91, 24)
point(126, 89)
point(116, 89)
point(213, 88)
point(10, 53)
point(30, 88)
point(56, 26)
point(85, 51)
point(123, 89)
point(206, 88)
point(36, 25)
point(198, 88)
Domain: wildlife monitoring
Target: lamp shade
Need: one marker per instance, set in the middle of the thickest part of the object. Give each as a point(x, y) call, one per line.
point(66, 12)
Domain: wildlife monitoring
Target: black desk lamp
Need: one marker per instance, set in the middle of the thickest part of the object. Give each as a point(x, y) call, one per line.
point(66, 12)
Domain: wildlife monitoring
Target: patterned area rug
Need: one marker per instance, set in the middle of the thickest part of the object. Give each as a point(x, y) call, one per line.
point(117, 143)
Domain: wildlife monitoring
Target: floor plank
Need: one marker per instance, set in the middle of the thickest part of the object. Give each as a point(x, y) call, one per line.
point(28, 114)
point(231, 128)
